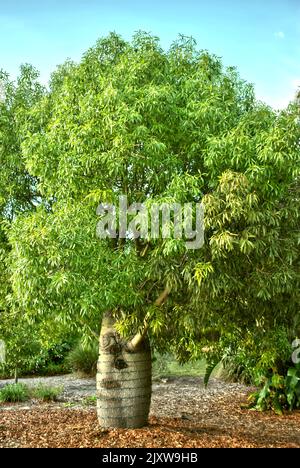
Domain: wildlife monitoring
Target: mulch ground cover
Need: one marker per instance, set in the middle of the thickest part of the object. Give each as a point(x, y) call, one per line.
point(224, 424)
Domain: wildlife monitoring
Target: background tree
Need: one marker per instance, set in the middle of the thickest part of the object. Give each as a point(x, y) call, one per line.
point(162, 127)
point(18, 194)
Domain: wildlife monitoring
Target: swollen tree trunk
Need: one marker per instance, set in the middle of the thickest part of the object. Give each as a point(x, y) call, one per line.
point(123, 379)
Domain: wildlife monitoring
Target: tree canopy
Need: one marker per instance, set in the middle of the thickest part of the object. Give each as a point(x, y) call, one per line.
point(160, 126)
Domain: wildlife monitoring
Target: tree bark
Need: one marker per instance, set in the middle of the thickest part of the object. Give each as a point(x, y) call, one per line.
point(123, 379)
point(124, 374)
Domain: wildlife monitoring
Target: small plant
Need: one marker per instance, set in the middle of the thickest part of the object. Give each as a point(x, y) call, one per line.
point(14, 393)
point(45, 393)
point(83, 359)
point(69, 404)
point(90, 400)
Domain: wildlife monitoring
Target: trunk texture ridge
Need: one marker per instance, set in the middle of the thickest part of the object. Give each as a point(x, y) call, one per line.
point(123, 379)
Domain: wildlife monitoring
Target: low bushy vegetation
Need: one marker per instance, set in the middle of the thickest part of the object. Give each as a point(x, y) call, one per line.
point(83, 359)
point(45, 393)
point(36, 359)
point(278, 392)
point(18, 392)
point(12, 393)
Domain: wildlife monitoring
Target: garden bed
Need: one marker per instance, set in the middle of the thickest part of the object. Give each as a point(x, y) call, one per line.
point(183, 414)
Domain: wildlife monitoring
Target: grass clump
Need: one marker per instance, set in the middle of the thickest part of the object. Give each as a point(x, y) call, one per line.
point(83, 359)
point(90, 400)
point(46, 393)
point(14, 393)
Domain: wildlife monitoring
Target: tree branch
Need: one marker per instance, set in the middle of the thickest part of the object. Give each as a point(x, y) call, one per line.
point(94, 334)
point(134, 343)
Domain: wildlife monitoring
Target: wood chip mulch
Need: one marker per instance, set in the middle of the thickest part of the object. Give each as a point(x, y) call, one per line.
point(225, 425)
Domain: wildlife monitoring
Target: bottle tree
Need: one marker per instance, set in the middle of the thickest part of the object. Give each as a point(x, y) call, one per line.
point(157, 127)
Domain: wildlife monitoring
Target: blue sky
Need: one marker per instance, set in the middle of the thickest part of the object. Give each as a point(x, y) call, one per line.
point(260, 37)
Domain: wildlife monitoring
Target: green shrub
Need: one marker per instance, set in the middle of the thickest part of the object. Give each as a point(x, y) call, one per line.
point(279, 392)
point(243, 361)
point(14, 393)
point(36, 360)
point(52, 361)
point(83, 359)
point(238, 368)
point(54, 369)
point(45, 393)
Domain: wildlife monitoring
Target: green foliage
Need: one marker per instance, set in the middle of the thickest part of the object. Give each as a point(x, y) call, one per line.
point(20, 392)
point(83, 358)
point(159, 126)
point(279, 392)
point(129, 119)
point(210, 367)
point(23, 346)
point(18, 194)
point(18, 190)
point(46, 393)
point(165, 365)
point(52, 360)
point(14, 393)
point(90, 400)
point(50, 368)
point(239, 367)
point(34, 348)
point(246, 357)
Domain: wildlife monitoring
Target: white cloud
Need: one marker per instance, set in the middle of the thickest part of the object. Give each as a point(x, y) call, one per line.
point(279, 35)
point(280, 100)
